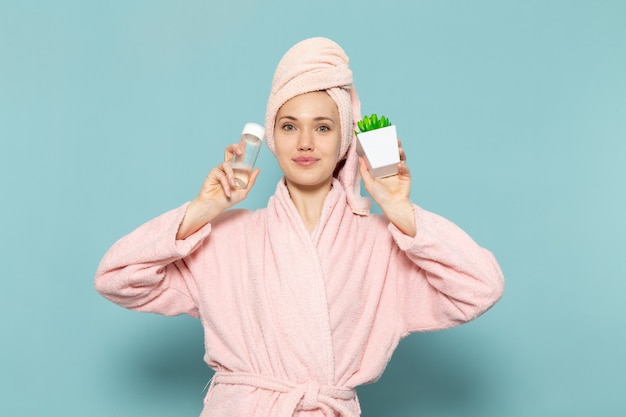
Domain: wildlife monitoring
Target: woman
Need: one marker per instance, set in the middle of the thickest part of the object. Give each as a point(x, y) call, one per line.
point(305, 299)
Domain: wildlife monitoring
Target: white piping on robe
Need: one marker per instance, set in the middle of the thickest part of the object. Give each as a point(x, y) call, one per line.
point(305, 396)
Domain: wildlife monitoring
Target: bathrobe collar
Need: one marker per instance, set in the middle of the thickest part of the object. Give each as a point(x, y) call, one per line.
point(295, 284)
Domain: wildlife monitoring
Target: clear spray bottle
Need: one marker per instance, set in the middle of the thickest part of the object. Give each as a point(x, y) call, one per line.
point(251, 141)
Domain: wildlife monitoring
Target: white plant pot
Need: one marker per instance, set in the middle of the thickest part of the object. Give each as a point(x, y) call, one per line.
point(380, 149)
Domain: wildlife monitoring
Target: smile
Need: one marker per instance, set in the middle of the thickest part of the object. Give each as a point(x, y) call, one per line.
point(305, 160)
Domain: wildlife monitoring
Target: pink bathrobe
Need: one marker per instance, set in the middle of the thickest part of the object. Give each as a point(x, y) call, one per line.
point(293, 320)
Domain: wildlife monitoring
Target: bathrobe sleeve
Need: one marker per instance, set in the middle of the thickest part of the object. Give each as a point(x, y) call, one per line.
point(146, 270)
point(446, 278)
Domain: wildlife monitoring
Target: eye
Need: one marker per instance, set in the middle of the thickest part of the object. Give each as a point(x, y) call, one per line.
point(324, 128)
point(288, 127)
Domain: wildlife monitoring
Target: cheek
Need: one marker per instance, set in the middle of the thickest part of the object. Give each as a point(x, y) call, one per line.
point(338, 147)
point(279, 142)
point(280, 151)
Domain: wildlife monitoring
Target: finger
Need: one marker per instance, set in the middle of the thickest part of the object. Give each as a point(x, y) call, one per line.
point(227, 168)
point(253, 177)
point(401, 151)
point(224, 183)
point(230, 152)
point(403, 169)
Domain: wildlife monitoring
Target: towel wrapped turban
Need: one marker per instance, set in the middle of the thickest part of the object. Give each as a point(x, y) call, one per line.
point(319, 64)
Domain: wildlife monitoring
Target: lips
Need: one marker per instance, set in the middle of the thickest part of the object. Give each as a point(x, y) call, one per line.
point(305, 160)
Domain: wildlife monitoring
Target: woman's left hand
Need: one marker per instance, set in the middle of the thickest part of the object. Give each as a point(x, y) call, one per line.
point(392, 194)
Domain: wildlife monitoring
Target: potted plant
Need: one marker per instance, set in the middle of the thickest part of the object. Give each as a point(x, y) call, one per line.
point(377, 142)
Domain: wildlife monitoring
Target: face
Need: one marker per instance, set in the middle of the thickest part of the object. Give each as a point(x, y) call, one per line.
point(307, 137)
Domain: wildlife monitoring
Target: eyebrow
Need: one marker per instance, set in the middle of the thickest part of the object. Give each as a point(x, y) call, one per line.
point(316, 119)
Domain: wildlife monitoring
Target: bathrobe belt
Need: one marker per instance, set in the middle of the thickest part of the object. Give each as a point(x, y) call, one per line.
point(306, 396)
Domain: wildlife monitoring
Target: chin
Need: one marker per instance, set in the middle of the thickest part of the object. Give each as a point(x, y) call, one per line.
point(309, 182)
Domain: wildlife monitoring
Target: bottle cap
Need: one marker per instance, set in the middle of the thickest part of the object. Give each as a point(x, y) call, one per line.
point(254, 129)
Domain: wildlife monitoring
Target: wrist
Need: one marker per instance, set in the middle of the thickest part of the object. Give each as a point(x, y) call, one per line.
point(402, 215)
point(197, 215)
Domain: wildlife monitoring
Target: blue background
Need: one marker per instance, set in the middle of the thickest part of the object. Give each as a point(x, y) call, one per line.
point(513, 115)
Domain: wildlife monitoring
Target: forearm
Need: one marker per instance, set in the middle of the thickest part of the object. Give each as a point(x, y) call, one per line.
point(402, 216)
point(215, 197)
point(197, 215)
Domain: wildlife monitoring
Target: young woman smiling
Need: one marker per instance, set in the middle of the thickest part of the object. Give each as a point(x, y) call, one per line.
point(306, 299)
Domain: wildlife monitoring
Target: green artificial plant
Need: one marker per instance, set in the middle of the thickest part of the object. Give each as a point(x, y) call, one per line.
point(372, 122)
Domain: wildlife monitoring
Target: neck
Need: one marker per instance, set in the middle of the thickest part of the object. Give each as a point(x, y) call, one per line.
point(309, 201)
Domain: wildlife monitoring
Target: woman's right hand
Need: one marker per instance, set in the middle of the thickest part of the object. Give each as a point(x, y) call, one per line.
point(218, 193)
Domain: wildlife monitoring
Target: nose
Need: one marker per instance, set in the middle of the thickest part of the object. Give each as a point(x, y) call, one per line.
point(305, 141)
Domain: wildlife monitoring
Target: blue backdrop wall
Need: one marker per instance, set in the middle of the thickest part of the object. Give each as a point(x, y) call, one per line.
point(513, 114)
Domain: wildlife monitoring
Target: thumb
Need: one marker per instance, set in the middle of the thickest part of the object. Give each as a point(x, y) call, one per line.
point(253, 177)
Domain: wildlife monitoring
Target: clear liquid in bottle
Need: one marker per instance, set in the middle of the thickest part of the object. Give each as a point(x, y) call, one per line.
point(251, 141)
